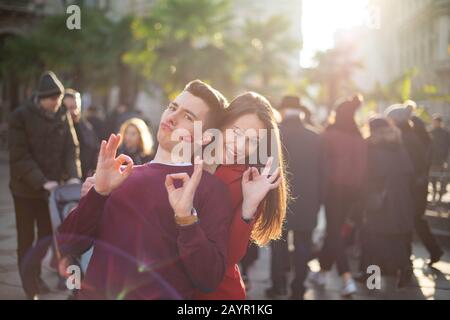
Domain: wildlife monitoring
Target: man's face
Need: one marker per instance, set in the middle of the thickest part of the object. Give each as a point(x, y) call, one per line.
point(73, 107)
point(181, 114)
point(51, 103)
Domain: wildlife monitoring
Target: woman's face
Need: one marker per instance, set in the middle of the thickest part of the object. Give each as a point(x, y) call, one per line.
point(241, 137)
point(131, 138)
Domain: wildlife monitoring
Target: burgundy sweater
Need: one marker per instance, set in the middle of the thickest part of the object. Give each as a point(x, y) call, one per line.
point(139, 251)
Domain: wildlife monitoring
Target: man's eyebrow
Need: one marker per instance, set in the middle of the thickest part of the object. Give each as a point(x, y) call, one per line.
point(174, 103)
point(190, 112)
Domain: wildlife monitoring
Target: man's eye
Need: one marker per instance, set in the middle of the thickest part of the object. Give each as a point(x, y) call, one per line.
point(189, 118)
point(171, 107)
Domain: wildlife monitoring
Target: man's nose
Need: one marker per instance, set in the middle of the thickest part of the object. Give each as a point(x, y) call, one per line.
point(173, 118)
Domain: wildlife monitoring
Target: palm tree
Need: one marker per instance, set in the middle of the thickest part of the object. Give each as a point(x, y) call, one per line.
point(334, 71)
point(266, 48)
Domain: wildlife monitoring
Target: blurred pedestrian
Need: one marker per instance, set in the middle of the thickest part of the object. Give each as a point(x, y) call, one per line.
point(389, 209)
point(92, 116)
point(87, 138)
point(304, 157)
point(346, 161)
point(419, 153)
point(43, 152)
point(422, 228)
point(137, 141)
point(440, 147)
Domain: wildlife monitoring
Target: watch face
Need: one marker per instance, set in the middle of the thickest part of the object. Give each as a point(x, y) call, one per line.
point(194, 212)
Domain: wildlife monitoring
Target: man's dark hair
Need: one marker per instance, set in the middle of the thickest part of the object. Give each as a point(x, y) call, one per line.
point(216, 102)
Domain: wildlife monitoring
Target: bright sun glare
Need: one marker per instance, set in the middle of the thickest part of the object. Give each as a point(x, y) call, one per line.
point(322, 18)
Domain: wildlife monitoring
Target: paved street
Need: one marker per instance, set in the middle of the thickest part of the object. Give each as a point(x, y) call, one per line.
point(428, 284)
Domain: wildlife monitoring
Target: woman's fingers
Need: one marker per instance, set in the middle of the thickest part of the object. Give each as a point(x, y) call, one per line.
point(276, 184)
point(255, 173)
point(267, 167)
point(246, 175)
point(274, 176)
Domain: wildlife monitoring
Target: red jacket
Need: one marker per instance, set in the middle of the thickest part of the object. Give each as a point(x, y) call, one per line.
point(232, 287)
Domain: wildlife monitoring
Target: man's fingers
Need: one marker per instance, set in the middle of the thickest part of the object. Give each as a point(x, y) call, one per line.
point(183, 176)
point(102, 151)
point(115, 145)
point(108, 152)
point(121, 159)
point(267, 167)
point(169, 183)
point(274, 175)
point(127, 170)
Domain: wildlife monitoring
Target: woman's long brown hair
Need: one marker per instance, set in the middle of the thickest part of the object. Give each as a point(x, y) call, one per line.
point(269, 224)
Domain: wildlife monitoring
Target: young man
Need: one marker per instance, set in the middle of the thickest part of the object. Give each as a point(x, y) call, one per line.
point(43, 152)
point(143, 248)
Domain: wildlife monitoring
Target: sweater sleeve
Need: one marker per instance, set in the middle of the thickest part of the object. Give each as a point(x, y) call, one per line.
point(240, 232)
point(203, 245)
point(77, 232)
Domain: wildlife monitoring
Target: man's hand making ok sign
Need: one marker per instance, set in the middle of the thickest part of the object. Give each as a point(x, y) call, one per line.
point(109, 174)
point(181, 199)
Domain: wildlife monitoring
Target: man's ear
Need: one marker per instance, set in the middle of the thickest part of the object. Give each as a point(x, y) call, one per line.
point(206, 138)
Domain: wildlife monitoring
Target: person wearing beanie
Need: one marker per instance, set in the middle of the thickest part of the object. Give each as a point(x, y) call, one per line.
point(346, 161)
point(388, 206)
point(43, 152)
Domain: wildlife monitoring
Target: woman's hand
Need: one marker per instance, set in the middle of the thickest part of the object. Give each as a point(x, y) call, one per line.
point(109, 174)
point(181, 199)
point(256, 186)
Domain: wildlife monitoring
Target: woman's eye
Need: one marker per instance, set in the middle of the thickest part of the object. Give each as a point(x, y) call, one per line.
point(189, 118)
point(171, 108)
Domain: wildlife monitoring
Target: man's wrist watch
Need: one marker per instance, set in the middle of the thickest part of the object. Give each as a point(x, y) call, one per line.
point(188, 220)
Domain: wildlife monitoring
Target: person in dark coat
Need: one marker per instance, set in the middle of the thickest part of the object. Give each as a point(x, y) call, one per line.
point(43, 152)
point(346, 162)
point(419, 153)
point(389, 209)
point(305, 169)
point(422, 228)
point(87, 138)
point(440, 151)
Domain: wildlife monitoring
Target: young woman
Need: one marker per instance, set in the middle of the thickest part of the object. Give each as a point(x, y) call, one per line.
point(346, 161)
point(137, 141)
point(258, 199)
